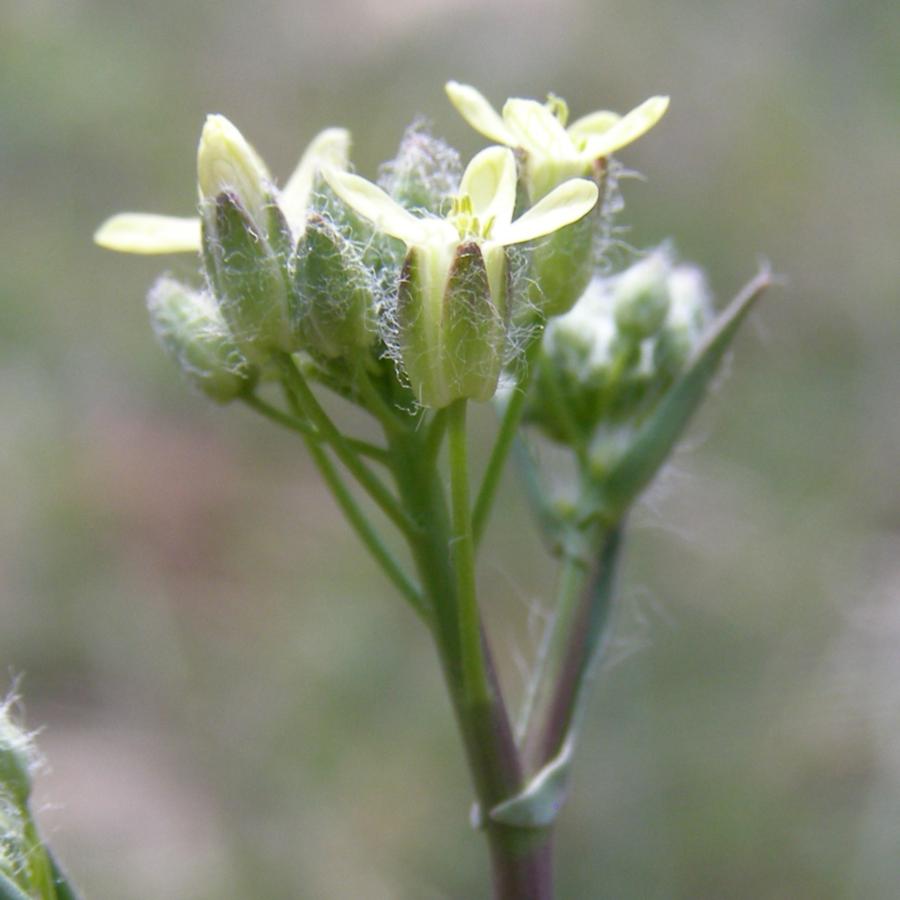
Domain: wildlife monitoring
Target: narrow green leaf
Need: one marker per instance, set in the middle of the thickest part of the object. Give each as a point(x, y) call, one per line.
point(659, 433)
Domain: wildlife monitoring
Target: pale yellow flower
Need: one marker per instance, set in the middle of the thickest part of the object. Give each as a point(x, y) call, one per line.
point(554, 152)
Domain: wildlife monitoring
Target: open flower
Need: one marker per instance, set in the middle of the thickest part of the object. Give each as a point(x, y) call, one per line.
point(452, 304)
point(226, 161)
point(554, 152)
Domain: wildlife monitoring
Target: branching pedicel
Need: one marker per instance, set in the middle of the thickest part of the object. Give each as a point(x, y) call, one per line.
point(411, 299)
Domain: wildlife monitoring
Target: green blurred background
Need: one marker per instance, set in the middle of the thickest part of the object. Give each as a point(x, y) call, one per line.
point(234, 703)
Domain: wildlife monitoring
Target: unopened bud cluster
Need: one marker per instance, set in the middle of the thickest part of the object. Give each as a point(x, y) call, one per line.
point(415, 269)
point(605, 365)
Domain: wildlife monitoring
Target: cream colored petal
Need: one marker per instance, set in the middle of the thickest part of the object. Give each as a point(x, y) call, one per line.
point(536, 128)
point(593, 124)
point(562, 206)
point(629, 128)
point(226, 162)
point(149, 234)
point(372, 203)
point(476, 110)
point(329, 148)
point(490, 182)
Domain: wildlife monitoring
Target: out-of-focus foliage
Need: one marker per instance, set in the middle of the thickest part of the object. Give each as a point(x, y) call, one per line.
point(232, 695)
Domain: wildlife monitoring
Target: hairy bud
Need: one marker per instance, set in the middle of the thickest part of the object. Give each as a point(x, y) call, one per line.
point(192, 331)
point(642, 297)
point(333, 306)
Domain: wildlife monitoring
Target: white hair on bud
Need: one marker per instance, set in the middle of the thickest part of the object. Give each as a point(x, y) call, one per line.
point(424, 174)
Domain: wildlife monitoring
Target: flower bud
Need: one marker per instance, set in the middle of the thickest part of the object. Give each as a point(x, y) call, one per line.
point(227, 163)
point(425, 173)
point(451, 332)
point(561, 267)
point(642, 297)
point(690, 313)
point(332, 307)
point(249, 277)
point(192, 331)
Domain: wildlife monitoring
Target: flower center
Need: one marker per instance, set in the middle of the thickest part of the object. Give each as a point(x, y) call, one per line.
point(467, 224)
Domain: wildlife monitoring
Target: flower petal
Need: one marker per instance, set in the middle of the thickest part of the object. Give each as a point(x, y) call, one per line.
point(562, 206)
point(490, 182)
point(629, 128)
point(227, 162)
point(536, 129)
point(328, 148)
point(372, 203)
point(592, 124)
point(479, 113)
point(148, 234)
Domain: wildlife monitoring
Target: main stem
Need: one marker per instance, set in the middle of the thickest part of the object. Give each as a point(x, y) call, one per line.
point(520, 857)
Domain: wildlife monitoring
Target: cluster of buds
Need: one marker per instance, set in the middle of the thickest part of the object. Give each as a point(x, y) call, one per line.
point(315, 268)
point(605, 364)
point(279, 277)
point(618, 377)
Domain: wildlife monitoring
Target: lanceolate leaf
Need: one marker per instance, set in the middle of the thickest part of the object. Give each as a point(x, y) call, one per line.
point(659, 433)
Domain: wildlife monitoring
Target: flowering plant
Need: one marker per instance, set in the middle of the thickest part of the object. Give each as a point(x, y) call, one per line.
point(412, 297)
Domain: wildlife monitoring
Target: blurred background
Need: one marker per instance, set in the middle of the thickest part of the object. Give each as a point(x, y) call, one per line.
point(233, 702)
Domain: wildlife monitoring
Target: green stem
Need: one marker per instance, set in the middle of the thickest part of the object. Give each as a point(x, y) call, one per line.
point(582, 644)
point(363, 448)
point(366, 531)
point(550, 658)
point(437, 428)
point(323, 424)
point(376, 403)
point(521, 858)
point(509, 424)
point(360, 522)
point(463, 554)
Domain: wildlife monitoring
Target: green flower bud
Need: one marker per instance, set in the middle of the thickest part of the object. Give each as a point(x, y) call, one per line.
point(192, 331)
point(598, 365)
point(642, 297)
point(249, 277)
point(690, 313)
point(333, 306)
point(425, 173)
point(561, 267)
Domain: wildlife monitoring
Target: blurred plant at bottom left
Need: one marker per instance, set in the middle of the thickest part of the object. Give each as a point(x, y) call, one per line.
point(28, 869)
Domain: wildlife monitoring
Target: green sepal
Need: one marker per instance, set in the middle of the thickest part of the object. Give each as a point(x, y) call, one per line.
point(538, 804)
point(332, 306)
point(655, 438)
point(278, 231)
point(473, 329)
point(562, 265)
point(250, 281)
point(419, 334)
